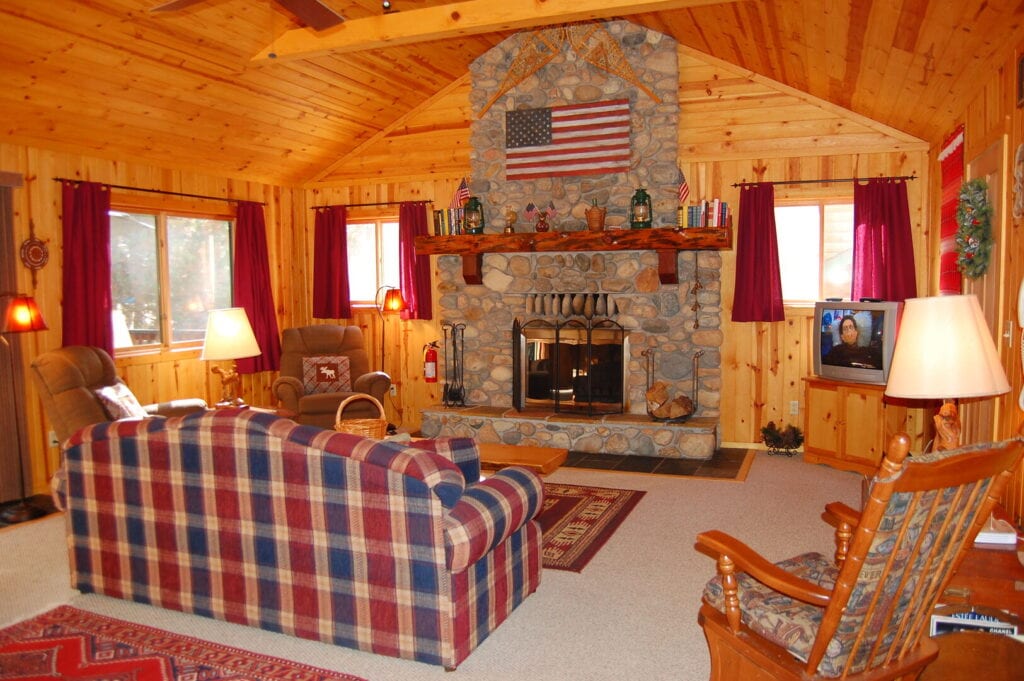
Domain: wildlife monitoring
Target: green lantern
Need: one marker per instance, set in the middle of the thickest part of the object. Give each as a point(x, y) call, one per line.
point(640, 210)
point(474, 216)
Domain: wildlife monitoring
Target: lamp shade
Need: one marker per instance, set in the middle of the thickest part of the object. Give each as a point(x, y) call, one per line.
point(393, 301)
point(22, 315)
point(229, 335)
point(944, 350)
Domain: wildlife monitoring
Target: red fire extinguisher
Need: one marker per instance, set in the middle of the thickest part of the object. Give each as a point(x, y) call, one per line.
point(430, 362)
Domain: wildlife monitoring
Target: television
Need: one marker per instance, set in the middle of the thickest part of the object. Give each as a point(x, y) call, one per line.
point(853, 341)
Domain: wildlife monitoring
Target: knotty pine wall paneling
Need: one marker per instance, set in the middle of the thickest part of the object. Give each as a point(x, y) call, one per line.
point(991, 116)
point(155, 377)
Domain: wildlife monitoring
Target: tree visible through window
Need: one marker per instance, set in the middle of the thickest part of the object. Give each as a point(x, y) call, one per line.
point(372, 258)
point(167, 272)
point(815, 250)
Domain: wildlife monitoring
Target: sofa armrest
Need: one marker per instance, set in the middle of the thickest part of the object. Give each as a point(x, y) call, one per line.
point(489, 512)
point(176, 407)
point(375, 383)
point(288, 390)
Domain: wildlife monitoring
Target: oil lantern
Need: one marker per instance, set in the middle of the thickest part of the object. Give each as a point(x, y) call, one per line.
point(474, 216)
point(640, 210)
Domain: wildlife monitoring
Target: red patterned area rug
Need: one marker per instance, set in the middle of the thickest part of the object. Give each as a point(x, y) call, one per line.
point(67, 643)
point(577, 520)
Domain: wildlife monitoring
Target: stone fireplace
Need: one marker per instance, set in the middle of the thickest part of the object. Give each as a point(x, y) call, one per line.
point(674, 321)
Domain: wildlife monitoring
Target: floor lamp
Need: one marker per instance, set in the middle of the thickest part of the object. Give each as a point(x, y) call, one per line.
point(944, 351)
point(229, 336)
point(391, 302)
point(22, 315)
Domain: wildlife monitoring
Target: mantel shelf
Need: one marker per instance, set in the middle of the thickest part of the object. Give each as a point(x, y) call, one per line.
point(667, 241)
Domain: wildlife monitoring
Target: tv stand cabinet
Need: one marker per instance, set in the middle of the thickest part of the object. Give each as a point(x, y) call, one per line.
point(848, 425)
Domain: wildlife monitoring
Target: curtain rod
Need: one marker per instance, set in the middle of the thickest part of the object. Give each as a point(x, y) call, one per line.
point(162, 191)
point(379, 203)
point(825, 181)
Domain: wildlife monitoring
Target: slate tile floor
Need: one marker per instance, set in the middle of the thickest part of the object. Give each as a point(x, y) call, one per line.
point(725, 463)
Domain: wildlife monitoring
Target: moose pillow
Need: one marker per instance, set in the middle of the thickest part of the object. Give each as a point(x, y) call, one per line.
point(326, 374)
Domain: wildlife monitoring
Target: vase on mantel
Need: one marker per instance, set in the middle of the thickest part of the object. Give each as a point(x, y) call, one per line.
point(595, 217)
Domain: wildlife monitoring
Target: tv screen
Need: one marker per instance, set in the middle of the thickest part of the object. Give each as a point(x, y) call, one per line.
point(854, 340)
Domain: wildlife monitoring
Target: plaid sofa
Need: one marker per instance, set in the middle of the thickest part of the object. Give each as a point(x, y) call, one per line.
point(249, 518)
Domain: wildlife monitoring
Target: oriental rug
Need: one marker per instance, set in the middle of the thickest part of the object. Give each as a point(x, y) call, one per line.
point(70, 643)
point(577, 520)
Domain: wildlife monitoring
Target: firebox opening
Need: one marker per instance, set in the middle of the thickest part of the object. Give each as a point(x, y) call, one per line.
point(570, 367)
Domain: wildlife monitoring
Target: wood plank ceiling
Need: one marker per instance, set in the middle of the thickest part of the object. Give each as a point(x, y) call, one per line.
point(183, 90)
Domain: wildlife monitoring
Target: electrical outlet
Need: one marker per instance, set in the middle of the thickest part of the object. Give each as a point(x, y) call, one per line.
point(54, 442)
point(794, 406)
point(394, 391)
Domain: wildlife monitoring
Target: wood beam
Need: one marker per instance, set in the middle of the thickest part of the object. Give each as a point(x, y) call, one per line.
point(441, 22)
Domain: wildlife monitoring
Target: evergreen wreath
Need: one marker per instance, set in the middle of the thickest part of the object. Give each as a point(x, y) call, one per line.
point(974, 234)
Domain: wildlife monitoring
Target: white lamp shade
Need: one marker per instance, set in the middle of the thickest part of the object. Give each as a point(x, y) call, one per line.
point(229, 335)
point(944, 350)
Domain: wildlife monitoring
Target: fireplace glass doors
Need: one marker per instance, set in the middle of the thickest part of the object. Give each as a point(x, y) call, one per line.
point(569, 367)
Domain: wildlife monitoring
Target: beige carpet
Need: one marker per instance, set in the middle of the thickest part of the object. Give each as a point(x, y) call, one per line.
point(632, 614)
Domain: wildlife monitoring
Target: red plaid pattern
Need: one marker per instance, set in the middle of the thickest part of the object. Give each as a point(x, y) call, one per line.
point(244, 517)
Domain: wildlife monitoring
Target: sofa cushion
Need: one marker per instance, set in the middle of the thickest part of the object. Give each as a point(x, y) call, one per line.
point(326, 374)
point(119, 402)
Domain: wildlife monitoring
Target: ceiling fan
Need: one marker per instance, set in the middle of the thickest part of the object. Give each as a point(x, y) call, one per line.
point(313, 13)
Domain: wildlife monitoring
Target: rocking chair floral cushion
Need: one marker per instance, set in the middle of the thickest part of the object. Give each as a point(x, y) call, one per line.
point(867, 613)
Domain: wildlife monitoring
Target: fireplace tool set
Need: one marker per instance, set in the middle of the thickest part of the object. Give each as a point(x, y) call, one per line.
point(453, 393)
point(661, 406)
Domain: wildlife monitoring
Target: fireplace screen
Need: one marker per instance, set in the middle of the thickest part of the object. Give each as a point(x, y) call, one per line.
point(570, 367)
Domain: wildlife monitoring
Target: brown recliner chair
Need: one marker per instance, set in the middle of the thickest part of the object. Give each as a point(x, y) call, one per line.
point(320, 408)
point(70, 381)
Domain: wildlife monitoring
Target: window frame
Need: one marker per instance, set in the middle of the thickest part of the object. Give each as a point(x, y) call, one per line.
point(162, 207)
point(819, 199)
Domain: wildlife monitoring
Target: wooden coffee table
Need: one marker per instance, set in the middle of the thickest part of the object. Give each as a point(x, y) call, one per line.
point(541, 460)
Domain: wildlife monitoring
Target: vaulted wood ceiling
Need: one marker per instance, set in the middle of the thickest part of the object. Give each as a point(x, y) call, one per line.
point(188, 89)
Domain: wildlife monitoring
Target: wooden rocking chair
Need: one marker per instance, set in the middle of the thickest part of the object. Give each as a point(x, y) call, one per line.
point(865, 615)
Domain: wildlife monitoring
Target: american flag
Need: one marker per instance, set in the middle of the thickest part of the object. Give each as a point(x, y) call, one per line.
point(461, 195)
point(684, 189)
point(577, 139)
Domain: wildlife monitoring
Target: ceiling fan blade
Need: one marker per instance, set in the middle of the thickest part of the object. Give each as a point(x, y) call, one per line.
point(172, 5)
point(312, 13)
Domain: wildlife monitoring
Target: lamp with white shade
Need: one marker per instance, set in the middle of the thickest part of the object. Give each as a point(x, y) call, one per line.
point(229, 336)
point(945, 351)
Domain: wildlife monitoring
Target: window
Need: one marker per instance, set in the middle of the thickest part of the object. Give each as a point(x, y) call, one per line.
point(815, 250)
point(372, 257)
point(167, 272)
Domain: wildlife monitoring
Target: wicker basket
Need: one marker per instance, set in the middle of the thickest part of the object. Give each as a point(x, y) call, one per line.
point(375, 428)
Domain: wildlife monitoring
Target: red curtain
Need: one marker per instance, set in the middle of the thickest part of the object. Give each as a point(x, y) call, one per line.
point(758, 296)
point(252, 287)
point(330, 264)
point(951, 159)
point(413, 271)
point(86, 273)
point(883, 248)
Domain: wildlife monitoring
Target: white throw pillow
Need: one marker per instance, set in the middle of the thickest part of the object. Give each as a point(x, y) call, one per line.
point(120, 403)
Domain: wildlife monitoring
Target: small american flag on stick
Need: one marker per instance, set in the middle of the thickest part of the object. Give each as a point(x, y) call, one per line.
point(576, 139)
point(461, 195)
point(684, 189)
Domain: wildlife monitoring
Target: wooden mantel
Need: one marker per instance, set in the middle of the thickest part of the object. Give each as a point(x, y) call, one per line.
point(667, 241)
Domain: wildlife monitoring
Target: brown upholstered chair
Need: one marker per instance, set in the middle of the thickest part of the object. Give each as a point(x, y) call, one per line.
point(865, 613)
point(78, 385)
point(295, 391)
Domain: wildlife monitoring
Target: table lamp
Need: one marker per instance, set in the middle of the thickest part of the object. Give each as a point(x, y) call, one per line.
point(229, 336)
point(22, 315)
point(945, 351)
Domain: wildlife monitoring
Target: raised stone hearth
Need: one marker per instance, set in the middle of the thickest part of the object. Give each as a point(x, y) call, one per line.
point(611, 434)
